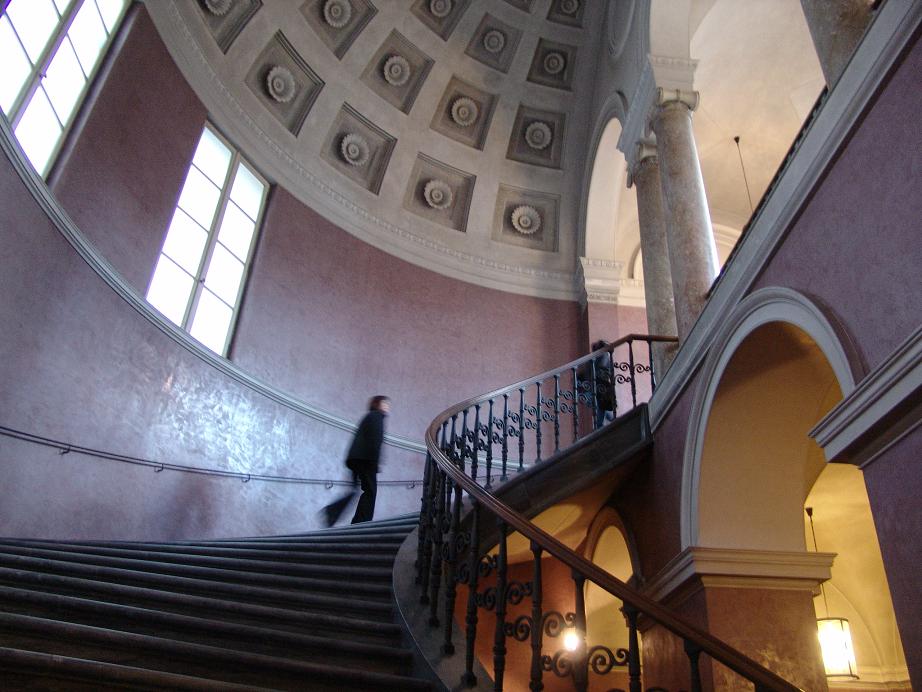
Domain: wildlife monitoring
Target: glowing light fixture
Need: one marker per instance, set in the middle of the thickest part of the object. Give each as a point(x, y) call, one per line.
point(836, 643)
point(835, 634)
point(571, 639)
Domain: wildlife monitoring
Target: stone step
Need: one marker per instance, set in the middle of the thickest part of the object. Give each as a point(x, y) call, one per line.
point(334, 648)
point(379, 630)
point(184, 658)
point(301, 599)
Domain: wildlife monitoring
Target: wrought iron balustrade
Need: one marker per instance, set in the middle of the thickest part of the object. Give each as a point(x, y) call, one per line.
point(480, 442)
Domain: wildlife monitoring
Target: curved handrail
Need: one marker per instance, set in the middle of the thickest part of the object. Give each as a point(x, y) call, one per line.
point(696, 640)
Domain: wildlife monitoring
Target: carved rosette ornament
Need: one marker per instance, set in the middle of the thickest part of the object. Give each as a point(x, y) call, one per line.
point(280, 84)
point(554, 62)
point(538, 135)
point(437, 194)
point(337, 13)
point(354, 150)
point(526, 220)
point(570, 7)
point(396, 70)
point(464, 111)
point(440, 8)
point(494, 41)
point(219, 7)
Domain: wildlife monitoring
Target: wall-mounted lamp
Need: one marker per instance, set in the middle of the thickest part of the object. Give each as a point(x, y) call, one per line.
point(835, 634)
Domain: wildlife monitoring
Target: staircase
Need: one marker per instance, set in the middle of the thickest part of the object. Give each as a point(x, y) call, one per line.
point(310, 611)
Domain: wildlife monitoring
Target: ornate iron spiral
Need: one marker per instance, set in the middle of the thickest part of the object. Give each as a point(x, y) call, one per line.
point(559, 664)
point(520, 630)
point(602, 659)
point(555, 622)
point(487, 599)
point(516, 591)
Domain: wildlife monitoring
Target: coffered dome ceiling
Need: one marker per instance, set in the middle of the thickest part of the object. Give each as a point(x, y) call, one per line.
point(452, 133)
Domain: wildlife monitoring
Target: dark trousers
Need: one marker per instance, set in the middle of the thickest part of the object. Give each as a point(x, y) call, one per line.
point(364, 472)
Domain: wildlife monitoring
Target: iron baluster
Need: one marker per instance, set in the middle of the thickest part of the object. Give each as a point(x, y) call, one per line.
point(521, 429)
point(630, 357)
point(575, 405)
point(652, 371)
point(580, 658)
point(464, 446)
point(431, 509)
point(489, 443)
point(423, 520)
point(451, 584)
point(556, 413)
point(614, 390)
point(595, 395)
point(538, 415)
point(455, 456)
point(468, 678)
point(633, 648)
point(693, 651)
point(499, 638)
point(504, 477)
point(476, 441)
point(436, 571)
point(537, 626)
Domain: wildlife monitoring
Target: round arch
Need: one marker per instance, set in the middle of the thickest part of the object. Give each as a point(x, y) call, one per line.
point(772, 323)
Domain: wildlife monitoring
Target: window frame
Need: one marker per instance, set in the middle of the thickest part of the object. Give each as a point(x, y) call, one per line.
point(237, 159)
point(39, 70)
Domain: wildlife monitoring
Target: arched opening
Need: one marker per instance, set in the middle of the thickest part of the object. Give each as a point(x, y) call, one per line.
point(607, 190)
point(758, 468)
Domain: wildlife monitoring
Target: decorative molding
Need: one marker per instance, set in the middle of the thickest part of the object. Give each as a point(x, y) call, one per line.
point(725, 567)
point(673, 74)
point(338, 23)
point(525, 219)
point(442, 16)
point(636, 121)
point(494, 43)
point(538, 137)
point(101, 266)
point(439, 193)
point(397, 71)
point(600, 281)
point(464, 113)
point(358, 148)
point(514, 206)
point(553, 64)
point(893, 27)
point(343, 210)
point(889, 397)
point(225, 19)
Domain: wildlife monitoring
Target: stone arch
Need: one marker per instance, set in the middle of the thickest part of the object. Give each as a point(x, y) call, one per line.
point(604, 142)
point(765, 324)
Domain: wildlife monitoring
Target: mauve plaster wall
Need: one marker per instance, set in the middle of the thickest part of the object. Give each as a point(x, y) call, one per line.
point(335, 320)
point(120, 179)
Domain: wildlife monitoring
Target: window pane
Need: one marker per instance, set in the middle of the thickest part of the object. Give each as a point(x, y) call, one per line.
point(224, 274)
point(88, 35)
point(16, 67)
point(247, 191)
point(110, 10)
point(38, 131)
point(236, 231)
point(212, 157)
point(199, 197)
point(170, 289)
point(212, 320)
point(185, 242)
point(64, 81)
point(35, 21)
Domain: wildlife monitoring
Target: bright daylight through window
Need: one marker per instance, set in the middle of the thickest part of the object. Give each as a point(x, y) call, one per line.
point(199, 276)
point(49, 50)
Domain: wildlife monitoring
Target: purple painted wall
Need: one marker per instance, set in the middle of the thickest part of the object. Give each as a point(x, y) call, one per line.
point(125, 161)
point(335, 320)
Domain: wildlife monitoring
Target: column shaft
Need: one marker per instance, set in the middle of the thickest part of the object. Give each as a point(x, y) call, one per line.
point(836, 27)
point(692, 252)
point(657, 275)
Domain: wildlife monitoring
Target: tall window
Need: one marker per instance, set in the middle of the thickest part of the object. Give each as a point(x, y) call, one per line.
point(49, 50)
point(199, 276)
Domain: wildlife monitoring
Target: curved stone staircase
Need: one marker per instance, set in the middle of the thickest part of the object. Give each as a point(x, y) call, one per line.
point(311, 611)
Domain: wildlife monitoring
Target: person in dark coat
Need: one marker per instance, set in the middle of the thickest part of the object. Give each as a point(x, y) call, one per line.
point(362, 459)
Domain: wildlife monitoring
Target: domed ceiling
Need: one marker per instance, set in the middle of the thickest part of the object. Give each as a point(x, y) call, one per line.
point(452, 133)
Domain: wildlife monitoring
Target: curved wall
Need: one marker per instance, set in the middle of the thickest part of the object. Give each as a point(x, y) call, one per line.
point(326, 319)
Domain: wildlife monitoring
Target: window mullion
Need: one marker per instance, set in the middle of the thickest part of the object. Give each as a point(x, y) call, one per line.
point(210, 244)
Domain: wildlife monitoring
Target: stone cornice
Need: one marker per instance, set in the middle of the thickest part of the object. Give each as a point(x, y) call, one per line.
point(101, 266)
point(890, 393)
point(894, 25)
point(601, 282)
point(742, 569)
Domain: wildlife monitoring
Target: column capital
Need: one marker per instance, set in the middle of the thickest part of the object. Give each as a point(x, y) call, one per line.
point(642, 157)
point(667, 97)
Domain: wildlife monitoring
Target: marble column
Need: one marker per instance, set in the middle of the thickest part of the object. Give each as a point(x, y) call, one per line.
point(692, 252)
point(657, 275)
point(836, 27)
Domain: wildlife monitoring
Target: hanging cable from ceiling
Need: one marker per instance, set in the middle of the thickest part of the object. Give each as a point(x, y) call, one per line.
point(743, 167)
